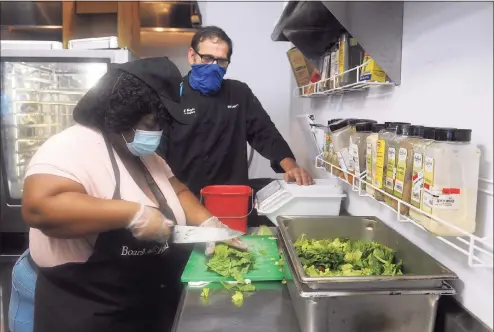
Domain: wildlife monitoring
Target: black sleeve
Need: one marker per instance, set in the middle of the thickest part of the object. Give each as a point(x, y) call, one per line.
point(263, 136)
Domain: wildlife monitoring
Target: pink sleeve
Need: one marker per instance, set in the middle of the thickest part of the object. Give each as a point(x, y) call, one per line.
point(164, 167)
point(58, 156)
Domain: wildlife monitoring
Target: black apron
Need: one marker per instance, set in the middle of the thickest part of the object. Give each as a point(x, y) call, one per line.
point(127, 285)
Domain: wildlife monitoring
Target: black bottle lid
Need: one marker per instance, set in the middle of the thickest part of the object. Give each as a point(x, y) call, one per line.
point(403, 129)
point(429, 133)
point(410, 130)
point(367, 120)
point(393, 125)
point(338, 125)
point(377, 127)
point(364, 127)
point(453, 135)
point(352, 122)
point(333, 121)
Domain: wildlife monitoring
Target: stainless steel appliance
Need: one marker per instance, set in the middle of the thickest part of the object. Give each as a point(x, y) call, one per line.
point(39, 91)
point(405, 303)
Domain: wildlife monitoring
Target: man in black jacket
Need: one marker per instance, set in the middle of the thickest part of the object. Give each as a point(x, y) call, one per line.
point(212, 150)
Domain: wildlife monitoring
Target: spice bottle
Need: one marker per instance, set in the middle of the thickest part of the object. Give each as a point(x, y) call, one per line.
point(406, 137)
point(328, 153)
point(358, 147)
point(419, 148)
point(370, 156)
point(385, 166)
point(341, 132)
point(451, 174)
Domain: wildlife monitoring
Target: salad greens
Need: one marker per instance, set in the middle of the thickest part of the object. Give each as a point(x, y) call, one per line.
point(238, 298)
point(230, 262)
point(264, 230)
point(205, 293)
point(343, 257)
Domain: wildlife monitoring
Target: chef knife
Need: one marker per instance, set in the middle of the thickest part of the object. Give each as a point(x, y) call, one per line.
point(192, 234)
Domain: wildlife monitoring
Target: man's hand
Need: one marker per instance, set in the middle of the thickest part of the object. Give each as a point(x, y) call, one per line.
point(300, 176)
point(293, 173)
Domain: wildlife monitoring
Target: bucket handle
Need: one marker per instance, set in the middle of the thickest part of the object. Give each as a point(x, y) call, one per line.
point(248, 213)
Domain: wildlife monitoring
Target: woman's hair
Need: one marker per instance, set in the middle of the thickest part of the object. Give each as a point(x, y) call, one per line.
point(117, 103)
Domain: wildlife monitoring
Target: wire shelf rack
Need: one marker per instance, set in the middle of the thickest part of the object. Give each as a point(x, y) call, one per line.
point(336, 85)
point(479, 251)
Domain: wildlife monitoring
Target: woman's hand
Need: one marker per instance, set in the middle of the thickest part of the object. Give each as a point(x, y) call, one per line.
point(235, 243)
point(150, 224)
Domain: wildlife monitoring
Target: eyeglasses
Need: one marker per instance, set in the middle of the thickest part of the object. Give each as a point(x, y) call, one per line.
point(209, 59)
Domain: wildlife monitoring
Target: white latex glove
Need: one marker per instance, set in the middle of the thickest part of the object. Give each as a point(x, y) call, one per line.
point(149, 224)
point(214, 222)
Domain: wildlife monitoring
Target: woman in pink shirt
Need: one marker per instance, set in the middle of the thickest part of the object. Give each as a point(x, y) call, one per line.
point(100, 202)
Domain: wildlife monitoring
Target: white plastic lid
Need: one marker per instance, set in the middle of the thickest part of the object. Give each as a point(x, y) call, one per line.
point(323, 188)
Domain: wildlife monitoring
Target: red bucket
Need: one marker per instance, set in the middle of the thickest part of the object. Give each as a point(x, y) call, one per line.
point(229, 203)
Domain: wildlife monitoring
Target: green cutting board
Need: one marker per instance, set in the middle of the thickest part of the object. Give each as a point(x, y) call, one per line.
point(264, 267)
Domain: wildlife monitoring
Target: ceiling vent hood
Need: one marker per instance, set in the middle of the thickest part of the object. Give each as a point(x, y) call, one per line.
point(173, 16)
point(313, 26)
point(155, 16)
point(307, 24)
point(31, 14)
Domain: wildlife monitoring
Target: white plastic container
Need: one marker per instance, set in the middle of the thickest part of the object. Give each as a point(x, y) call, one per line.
point(451, 173)
point(281, 198)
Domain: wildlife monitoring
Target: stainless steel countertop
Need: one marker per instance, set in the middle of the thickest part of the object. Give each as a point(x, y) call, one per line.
point(268, 309)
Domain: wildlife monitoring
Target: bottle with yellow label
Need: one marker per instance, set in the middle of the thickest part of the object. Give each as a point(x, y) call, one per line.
point(406, 137)
point(419, 148)
point(384, 178)
point(371, 155)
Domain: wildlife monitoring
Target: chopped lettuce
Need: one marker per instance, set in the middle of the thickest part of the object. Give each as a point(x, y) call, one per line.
point(264, 230)
point(343, 257)
point(205, 293)
point(238, 298)
point(230, 262)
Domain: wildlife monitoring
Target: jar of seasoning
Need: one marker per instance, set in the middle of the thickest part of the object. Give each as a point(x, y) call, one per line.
point(328, 150)
point(370, 155)
point(419, 148)
point(451, 174)
point(341, 132)
point(358, 148)
point(406, 137)
point(385, 166)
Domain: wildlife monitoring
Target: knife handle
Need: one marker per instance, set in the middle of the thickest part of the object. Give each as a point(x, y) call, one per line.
point(171, 236)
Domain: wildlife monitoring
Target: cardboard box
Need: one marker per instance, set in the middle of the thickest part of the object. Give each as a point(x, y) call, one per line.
point(302, 68)
point(371, 72)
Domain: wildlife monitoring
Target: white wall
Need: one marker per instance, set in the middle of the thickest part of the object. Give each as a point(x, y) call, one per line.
point(447, 80)
point(256, 60)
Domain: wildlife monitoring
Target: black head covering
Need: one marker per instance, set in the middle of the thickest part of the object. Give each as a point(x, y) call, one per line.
point(160, 74)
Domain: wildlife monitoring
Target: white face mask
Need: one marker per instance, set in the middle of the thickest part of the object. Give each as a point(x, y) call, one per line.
point(144, 143)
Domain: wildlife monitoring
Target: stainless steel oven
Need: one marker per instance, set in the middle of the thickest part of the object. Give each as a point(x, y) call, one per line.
point(39, 90)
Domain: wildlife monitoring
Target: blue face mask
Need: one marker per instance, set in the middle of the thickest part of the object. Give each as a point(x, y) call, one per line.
point(144, 143)
point(206, 78)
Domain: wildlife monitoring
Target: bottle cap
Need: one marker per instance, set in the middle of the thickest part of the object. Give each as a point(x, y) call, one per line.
point(364, 127)
point(416, 131)
point(377, 127)
point(333, 121)
point(338, 125)
point(453, 135)
point(393, 125)
point(429, 133)
point(403, 129)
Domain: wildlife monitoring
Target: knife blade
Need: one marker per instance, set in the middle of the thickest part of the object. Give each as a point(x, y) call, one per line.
point(192, 234)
